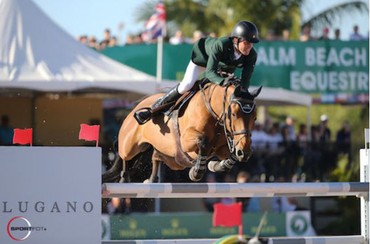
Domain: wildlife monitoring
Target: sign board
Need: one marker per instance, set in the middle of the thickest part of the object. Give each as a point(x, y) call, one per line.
point(330, 71)
point(188, 225)
point(50, 195)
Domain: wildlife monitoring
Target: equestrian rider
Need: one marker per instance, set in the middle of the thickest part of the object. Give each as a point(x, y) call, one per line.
point(215, 54)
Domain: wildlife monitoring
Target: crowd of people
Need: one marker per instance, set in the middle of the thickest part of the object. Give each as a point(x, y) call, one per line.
point(178, 37)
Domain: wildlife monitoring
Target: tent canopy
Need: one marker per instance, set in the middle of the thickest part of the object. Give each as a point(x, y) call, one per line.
point(36, 54)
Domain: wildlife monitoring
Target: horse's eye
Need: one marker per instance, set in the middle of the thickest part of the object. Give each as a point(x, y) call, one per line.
point(233, 114)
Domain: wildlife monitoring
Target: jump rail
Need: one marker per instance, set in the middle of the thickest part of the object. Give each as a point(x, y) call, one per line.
point(210, 190)
point(276, 240)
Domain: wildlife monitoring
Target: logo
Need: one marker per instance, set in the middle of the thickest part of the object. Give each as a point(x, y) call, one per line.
point(19, 228)
point(299, 224)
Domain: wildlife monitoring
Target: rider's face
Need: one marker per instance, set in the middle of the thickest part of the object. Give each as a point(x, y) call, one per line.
point(245, 47)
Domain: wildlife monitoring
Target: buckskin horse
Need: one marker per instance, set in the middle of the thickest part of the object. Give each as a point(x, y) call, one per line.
point(216, 122)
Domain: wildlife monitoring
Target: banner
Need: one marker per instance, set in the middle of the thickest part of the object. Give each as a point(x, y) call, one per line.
point(50, 195)
point(330, 71)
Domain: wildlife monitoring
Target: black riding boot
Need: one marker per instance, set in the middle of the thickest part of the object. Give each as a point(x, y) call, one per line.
point(142, 116)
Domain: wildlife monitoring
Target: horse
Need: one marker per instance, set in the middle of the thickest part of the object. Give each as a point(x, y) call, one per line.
point(215, 123)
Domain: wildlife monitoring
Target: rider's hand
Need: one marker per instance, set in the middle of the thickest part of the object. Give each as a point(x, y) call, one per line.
point(229, 78)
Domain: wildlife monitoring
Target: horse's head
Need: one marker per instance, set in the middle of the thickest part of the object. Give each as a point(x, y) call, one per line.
point(240, 117)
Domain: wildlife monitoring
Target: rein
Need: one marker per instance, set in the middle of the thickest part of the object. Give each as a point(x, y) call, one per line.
point(226, 114)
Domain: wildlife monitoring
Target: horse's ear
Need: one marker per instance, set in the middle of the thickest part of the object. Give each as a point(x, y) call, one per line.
point(256, 92)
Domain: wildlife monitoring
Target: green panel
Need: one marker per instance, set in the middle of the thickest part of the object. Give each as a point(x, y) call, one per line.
point(188, 225)
point(330, 69)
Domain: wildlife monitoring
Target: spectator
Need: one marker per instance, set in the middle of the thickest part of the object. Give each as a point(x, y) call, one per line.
point(328, 159)
point(343, 141)
point(274, 152)
point(6, 132)
point(312, 157)
point(177, 38)
point(324, 131)
point(259, 145)
point(303, 144)
point(93, 43)
point(289, 123)
point(107, 36)
point(355, 35)
point(337, 34)
point(113, 42)
point(117, 206)
point(306, 34)
point(196, 36)
point(286, 35)
point(83, 39)
point(325, 34)
point(130, 39)
point(271, 35)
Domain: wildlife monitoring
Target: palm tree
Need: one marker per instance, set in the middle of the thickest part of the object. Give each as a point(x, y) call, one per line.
point(269, 15)
point(332, 14)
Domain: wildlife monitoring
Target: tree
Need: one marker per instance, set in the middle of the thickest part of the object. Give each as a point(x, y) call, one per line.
point(269, 15)
point(332, 14)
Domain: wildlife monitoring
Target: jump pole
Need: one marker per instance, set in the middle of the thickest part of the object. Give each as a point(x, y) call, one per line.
point(211, 190)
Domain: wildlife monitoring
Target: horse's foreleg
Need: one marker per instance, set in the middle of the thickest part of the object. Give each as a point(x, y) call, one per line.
point(154, 175)
point(199, 169)
point(222, 166)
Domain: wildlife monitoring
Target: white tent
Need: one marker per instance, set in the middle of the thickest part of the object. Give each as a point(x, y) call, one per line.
point(36, 54)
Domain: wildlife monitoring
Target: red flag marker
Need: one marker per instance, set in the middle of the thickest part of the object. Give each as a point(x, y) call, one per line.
point(228, 215)
point(89, 133)
point(22, 136)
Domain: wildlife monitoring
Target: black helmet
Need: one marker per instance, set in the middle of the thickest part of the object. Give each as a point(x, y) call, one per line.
point(246, 30)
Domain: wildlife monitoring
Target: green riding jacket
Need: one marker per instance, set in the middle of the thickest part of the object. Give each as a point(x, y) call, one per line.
point(218, 54)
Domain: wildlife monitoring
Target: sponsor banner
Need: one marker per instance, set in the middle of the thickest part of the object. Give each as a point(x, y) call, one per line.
point(298, 223)
point(50, 195)
point(188, 225)
point(330, 71)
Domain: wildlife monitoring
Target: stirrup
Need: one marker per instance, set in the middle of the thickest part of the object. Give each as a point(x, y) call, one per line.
point(137, 116)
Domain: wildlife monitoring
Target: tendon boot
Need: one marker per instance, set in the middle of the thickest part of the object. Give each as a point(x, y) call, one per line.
point(143, 116)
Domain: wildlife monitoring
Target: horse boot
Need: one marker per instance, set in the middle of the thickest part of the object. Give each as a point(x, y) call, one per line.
point(143, 116)
point(221, 166)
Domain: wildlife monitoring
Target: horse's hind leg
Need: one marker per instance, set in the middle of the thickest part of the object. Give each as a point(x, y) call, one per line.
point(125, 176)
point(199, 169)
point(155, 167)
point(154, 174)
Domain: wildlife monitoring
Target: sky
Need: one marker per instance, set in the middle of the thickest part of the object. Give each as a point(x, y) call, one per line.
point(92, 17)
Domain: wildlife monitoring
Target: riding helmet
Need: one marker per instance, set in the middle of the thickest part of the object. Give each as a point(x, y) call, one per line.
point(246, 30)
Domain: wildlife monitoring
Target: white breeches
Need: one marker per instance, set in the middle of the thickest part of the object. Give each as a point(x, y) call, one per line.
point(190, 77)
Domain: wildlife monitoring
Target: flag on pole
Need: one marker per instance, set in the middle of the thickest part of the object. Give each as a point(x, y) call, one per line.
point(89, 133)
point(228, 215)
point(22, 136)
point(156, 25)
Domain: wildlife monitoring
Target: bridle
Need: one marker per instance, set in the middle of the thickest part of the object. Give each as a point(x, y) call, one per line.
point(247, 106)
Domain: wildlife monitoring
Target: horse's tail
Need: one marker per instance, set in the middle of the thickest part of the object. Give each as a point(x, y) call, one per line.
point(114, 173)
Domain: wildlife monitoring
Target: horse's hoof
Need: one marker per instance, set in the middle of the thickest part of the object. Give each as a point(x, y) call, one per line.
point(193, 174)
point(147, 181)
point(212, 166)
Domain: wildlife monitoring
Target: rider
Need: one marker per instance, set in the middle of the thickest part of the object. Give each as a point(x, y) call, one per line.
point(215, 54)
